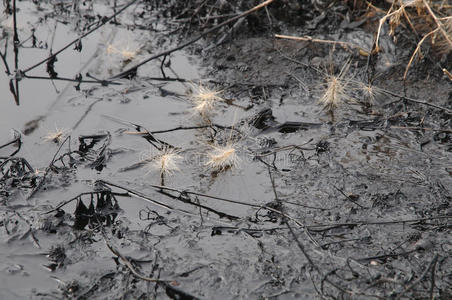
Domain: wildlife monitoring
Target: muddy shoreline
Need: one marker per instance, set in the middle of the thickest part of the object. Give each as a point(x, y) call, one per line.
point(222, 171)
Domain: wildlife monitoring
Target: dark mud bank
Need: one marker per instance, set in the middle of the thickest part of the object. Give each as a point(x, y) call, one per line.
point(246, 166)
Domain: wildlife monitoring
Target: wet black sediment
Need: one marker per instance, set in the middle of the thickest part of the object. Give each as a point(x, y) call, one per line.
point(265, 192)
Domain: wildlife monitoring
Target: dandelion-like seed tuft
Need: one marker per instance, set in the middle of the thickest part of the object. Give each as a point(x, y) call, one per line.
point(221, 158)
point(126, 53)
point(204, 99)
point(167, 161)
point(57, 135)
point(370, 92)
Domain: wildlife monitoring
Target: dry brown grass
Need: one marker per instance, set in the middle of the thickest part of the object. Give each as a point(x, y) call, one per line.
point(432, 20)
point(336, 89)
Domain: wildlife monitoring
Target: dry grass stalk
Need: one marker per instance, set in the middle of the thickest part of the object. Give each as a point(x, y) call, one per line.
point(346, 45)
point(417, 51)
point(394, 16)
point(447, 73)
point(443, 27)
point(443, 44)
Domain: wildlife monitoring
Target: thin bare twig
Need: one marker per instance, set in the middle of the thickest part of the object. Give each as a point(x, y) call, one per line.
point(46, 172)
point(195, 39)
point(321, 41)
point(408, 288)
point(159, 187)
point(79, 38)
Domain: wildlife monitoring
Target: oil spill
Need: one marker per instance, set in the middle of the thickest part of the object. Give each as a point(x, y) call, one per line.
point(141, 188)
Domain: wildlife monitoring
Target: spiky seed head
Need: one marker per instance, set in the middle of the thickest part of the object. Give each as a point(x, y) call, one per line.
point(57, 135)
point(370, 91)
point(204, 99)
point(111, 49)
point(166, 161)
point(221, 158)
point(126, 52)
point(334, 93)
point(336, 89)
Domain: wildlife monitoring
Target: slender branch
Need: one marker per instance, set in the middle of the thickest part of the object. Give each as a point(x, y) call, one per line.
point(422, 128)
point(183, 45)
point(324, 227)
point(71, 80)
point(421, 278)
point(46, 172)
point(159, 187)
point(312, 264)
point(313, 40)
point(447, 110)
point(16, 55)
point(79, 38)
point(418, 47)
point(3, 56)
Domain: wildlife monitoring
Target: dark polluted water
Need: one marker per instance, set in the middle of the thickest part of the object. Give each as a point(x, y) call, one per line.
point(57, 254)
point(212, 172)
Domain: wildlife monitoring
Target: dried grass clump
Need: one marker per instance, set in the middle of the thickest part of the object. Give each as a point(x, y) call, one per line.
point(336, 89)
point(425, 19)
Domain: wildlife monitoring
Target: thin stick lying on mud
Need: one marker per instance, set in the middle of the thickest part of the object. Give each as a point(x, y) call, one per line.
point(313, 265)
point(422, 128)
point(15, 89)
point(143, 132)
point(164, 282)
point(447, 110)
point(159, 187)
point(183, 45)
point(129, 265)
point(79, 38)
point(70, 79)
point(87, 110)
point(325, 227)
point(313, 40)
point(46, 172)
point(421, 278)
